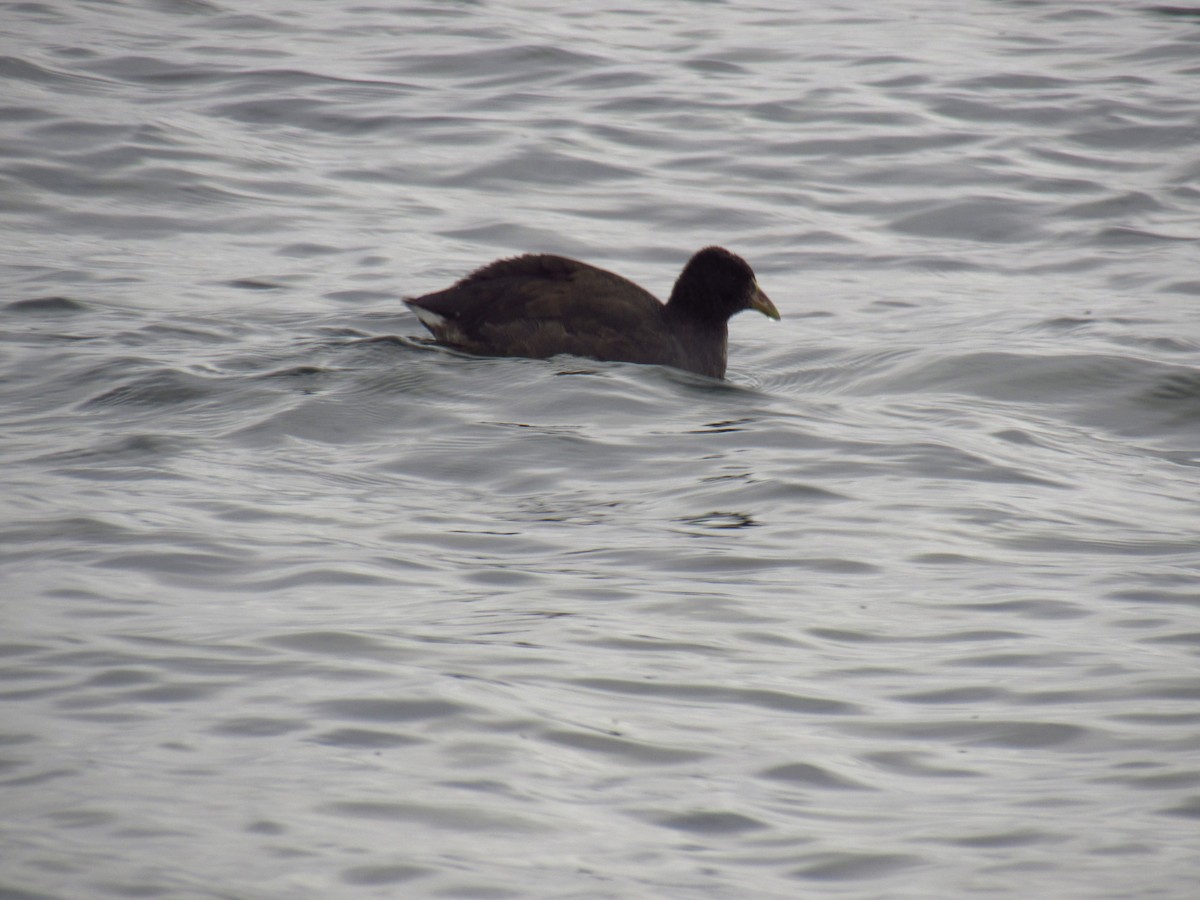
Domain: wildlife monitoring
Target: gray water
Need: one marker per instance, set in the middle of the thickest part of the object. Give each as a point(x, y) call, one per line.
point(298, 606)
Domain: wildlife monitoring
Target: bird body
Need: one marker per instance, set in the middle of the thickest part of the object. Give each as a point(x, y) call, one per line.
point(540, 305)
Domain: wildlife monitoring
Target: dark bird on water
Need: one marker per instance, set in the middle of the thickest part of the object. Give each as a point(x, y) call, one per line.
point(540, 305)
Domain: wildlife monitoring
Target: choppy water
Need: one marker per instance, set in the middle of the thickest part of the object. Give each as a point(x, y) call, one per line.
point(296, 606)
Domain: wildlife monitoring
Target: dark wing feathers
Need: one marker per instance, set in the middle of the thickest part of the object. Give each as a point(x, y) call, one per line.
point(542, 266)
point(541, 305)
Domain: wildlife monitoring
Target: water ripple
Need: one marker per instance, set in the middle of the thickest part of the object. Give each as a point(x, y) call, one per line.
point(907, 605)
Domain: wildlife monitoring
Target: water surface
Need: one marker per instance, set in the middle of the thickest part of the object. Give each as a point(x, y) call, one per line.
point(295, 605)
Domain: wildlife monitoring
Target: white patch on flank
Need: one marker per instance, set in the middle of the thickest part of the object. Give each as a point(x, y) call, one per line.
point(428, 317)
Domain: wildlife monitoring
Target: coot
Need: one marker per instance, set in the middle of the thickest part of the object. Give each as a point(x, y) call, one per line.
point(539, 305)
